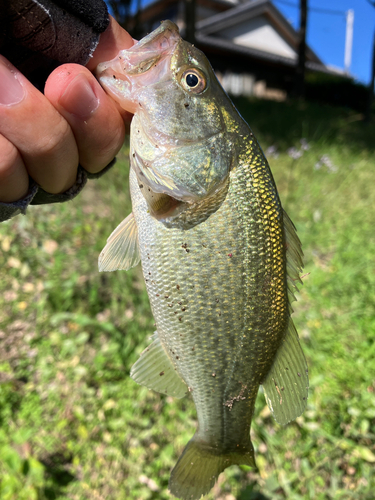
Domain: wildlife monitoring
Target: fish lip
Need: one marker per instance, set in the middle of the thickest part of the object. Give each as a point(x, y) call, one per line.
point(141, 56)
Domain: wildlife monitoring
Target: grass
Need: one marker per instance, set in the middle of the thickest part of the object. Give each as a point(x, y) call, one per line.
point(74, 426)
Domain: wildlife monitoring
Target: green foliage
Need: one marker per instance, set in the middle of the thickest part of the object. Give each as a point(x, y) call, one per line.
point(74, 426)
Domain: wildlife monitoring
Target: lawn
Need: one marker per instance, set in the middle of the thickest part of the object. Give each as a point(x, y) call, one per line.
point(74, 426)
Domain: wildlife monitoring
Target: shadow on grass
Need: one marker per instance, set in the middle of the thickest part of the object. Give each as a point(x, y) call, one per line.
point(249, 494)
point(57, 474)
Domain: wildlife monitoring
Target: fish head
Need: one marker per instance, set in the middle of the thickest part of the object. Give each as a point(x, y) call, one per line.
point(181, 144)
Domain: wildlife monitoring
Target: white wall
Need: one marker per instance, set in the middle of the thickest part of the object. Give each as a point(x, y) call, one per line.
point(259, 34)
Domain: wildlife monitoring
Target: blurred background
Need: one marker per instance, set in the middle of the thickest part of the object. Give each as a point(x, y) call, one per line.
point(73, 425)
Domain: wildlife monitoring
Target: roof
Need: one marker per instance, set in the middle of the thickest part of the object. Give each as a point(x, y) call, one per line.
point(212, 26)
point(230, 15)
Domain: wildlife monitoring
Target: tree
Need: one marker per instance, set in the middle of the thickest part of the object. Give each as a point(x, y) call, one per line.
point(299, 81)
point(190, 21)
point(122, 13)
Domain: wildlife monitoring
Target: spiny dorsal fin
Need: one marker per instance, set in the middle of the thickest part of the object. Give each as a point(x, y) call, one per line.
point(287, 383)
point(155, 370)
point(121, 250)
point(294, 256)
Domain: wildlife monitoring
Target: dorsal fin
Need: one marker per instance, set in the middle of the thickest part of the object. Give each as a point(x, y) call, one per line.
point(122, 249)
point(294, 258)
point(286, 385)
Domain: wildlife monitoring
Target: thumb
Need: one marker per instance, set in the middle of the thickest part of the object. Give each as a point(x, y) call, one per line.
point(114, 39)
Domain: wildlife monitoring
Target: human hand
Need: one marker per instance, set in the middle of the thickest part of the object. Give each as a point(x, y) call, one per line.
point(74, 122)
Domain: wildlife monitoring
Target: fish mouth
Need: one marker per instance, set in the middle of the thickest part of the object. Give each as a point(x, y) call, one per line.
point(147, 59)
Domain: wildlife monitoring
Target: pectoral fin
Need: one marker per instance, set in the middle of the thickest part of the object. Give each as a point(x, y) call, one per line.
point(121, 250)
point(286, 385)
point(155, 370)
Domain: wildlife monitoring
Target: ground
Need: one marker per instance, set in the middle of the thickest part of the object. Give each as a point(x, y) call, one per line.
point(74, 426)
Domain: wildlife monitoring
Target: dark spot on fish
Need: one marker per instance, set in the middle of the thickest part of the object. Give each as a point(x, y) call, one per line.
point(187, 250)
point(282, 388)
point(140, 186)
point(176, 312)
point(184, 245)
point(193, 348)
point(183, 308)
point(161, 374)
point(304, 399)
point(178, 287)
point(149, 274)
point(216, 300)
point(133, 155)
point(166, 296)
point(186, 105)
point(180, 319)
point(203, 245)
point(114, 77)
point(179, 303)
point(139, 104)
point(177, 357)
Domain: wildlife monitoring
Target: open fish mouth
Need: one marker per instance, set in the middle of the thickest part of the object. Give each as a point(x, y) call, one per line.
point(127, 73)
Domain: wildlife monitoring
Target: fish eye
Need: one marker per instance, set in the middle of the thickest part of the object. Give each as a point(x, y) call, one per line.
point(193, 81)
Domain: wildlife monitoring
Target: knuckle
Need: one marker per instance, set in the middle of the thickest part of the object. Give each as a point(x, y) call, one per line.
point(102, 150)
point(53, 141)
point(9, 159)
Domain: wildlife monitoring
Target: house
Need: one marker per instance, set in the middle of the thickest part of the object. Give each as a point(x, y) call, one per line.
point(250, 44)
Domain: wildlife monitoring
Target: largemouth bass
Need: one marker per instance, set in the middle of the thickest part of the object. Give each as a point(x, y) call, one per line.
point(219, 256)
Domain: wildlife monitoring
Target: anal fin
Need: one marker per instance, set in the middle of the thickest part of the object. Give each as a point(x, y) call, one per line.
point(155, 370)
point(122, 249)
point(286, 385)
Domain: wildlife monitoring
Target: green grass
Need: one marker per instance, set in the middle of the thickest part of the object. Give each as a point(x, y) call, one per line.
point(74, 426)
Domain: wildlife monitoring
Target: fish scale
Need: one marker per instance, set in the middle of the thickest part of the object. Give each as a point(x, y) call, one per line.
point(219, 256)
point(217, 265)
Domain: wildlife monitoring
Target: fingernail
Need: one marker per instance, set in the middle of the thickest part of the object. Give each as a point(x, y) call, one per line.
point(11, 90)
point(79, 98)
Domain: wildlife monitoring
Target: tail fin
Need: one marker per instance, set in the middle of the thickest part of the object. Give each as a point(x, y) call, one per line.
point(199, 466)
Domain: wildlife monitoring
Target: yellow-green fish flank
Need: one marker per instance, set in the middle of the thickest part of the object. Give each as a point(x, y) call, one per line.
point(219, 256)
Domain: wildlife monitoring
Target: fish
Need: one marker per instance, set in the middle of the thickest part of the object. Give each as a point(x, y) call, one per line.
point(220, 258)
